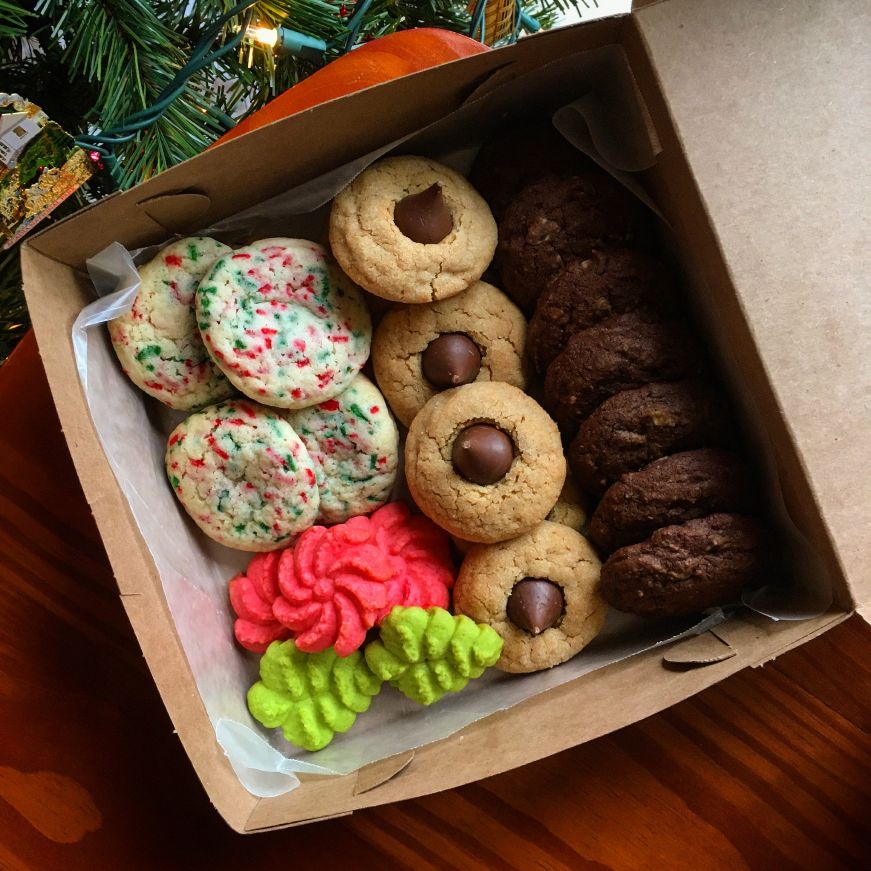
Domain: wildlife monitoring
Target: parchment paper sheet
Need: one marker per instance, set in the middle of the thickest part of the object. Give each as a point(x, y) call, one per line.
point(594, 105)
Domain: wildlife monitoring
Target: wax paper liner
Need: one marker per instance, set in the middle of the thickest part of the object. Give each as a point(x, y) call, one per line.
point(604, 120)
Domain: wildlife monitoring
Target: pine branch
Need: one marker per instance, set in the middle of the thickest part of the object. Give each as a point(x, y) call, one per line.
point(13, 19)
point(123, 47)
point(132, 49)
point(91, 64)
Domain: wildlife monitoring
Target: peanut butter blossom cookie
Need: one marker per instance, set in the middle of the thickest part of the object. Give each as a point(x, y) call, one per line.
point(283, 322)
point(411, 230)
point(540, 592)
point(419, 350)
point(484, 461)
point(157, 341)
point(570, 510)
point(243, 475)
point(354, 444)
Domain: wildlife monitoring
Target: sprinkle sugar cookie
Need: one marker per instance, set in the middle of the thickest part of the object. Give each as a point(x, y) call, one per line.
point(243, 475)
point(283, 322)
point(355, 447)
point(157, 341)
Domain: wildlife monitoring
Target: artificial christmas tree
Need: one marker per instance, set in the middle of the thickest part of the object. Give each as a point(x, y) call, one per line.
point(145, 84)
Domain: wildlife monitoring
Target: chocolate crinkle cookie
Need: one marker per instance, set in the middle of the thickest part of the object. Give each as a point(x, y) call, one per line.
point(622, 352)
point(556, 220)
point(671, 490)
point(636, 427)
point(585, 292)
point(685, 568)
point(519, 155)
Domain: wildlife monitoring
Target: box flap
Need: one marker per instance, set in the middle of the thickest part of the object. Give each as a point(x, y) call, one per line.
point(764, 99)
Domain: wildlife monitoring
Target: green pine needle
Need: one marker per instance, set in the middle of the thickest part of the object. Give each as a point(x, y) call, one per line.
point(13, 19)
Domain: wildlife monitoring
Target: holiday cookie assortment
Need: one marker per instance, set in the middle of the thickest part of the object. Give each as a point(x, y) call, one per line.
point(555, 466)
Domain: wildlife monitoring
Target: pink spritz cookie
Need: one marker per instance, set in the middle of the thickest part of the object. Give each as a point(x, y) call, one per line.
point(337, 583)
point(243, 475)
point(252, 593)
point(284, 323)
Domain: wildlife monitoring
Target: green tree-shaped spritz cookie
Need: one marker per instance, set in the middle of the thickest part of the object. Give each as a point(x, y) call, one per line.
point(426, 653)
point(311, 696)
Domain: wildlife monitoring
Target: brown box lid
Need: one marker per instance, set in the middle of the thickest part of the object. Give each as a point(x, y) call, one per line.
point(764, 100)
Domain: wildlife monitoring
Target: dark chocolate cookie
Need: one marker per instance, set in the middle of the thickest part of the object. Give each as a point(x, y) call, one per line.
point(519, 155)
point(556, 220)
point(686, 568)
point(636, 427)
point(622, 352)
point(585, 292)
point(670, 490)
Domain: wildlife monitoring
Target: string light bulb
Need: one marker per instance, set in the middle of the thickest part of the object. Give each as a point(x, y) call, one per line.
point(266, 36)
point(284, 40)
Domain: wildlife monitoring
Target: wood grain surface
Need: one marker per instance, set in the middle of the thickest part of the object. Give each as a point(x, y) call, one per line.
point(767, 770)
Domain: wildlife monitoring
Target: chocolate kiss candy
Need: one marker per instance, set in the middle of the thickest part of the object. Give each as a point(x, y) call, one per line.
point(535, 604)
point(482, 454)
point(424, 217)
point(450, 360)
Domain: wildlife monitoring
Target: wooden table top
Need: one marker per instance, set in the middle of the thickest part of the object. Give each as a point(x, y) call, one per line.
point(767, 770)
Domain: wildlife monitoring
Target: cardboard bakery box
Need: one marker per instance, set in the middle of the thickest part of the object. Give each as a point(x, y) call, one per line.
point(745, 137)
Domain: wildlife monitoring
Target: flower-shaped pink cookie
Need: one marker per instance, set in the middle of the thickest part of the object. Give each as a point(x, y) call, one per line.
point(251, 595)
point(331, 590)
point(337, 583)
point(423, 571)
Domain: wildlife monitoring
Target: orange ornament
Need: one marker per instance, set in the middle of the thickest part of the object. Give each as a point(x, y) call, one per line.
point(382, 59)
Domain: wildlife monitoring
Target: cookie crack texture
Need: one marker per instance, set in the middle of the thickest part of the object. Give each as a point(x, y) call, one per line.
point(477, 512)
point(549, 551)
point(374, 252)
point(435, 278)
point(481, 311)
